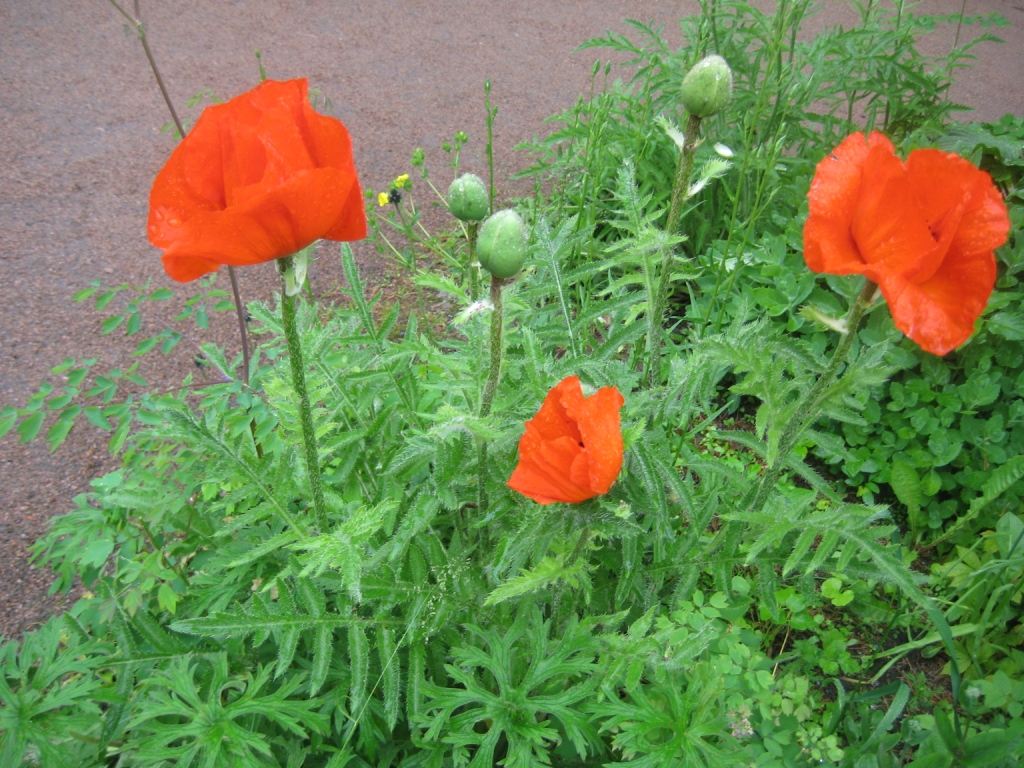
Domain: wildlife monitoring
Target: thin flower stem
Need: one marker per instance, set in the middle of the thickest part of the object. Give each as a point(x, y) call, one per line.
point(654, 320)
point(808, 408)
point(680, 189)
point(497, 322)
point(684, 169)
point(291, 333)
point(581, 545)
point(240, 312)
point(180, 569)
point(140, 30)
point(474, 279)
point(490, 387)
point(492, 112)
point(410, 235)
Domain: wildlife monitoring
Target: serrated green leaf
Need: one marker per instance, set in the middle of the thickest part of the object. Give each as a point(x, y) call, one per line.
point(800, 548)
point(359, 661)
point(60, 430)
point(323, 648)
point(96, 553)
point(84, 294)
point(56, 403)
point(170, 342)
point(8, 420)
point(997, 483)
point(104, 299)
point(111, 323)
point(549, 571)
point(120, 433)
point(272, 544)
point(1007, 323)
point(989, 747)
point(414, 686)
point(29, 428)
point(390, 666)
point(167, 598)
point(96, 417)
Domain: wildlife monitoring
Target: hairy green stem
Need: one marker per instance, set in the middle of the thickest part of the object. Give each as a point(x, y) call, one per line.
point(807, 410)
point(728, 537)
point(654, 320)
point(291, 333)
point(497, 323)
point(491, 114)
point(491, 386)
point(684, 169)
point(680, 188)
point(474, 279)
point(581, 545)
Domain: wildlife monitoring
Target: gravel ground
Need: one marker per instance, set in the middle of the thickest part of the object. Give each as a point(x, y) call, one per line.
point(80, 120)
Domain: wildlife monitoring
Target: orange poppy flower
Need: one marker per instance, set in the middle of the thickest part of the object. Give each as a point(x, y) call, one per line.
point(258, 178)
point(924, 231)
point(572, 449)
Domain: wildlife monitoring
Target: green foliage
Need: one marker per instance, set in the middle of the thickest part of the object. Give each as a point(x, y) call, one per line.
point(946, 434)
point(670, 721)
point(50, 698)
point(521, 691)
point(205, 717)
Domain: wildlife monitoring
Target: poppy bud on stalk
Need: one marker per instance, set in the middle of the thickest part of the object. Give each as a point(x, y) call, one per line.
point(467, 198)
point(501, 244)
point(707, 88)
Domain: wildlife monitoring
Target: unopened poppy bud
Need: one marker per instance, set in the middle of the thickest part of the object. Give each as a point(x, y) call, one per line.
point(707, 88)
point(467, 198)
point(501, 244)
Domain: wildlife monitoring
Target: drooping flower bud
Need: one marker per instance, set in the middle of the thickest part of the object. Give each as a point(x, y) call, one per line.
point(467, 198)
point(501, 244)
point(707, 88)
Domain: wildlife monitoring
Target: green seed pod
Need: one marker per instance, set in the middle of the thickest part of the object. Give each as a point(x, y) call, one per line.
point(501, 244)
point(467, 198)
point(707, 88)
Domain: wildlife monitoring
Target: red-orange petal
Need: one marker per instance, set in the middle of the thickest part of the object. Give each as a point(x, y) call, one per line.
point(939, 313)
point(545, 470)
point(572, 449)
point(888, 225)
point(283, 220)
point(924, 230)
point(946, 182)
point(835, 190)
point(601, 432)
point(259, 177)
point(552, 420)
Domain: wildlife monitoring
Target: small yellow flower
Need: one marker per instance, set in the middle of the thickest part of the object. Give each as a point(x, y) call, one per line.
point(382, 199)
point(401, 181)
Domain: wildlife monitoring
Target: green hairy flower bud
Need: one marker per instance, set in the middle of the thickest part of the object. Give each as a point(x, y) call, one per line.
point(501, 244)
point(467, 198)
point(707, 88)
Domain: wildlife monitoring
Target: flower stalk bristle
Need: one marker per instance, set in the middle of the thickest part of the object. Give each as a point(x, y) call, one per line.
point(312, 455)
point(491, 386)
